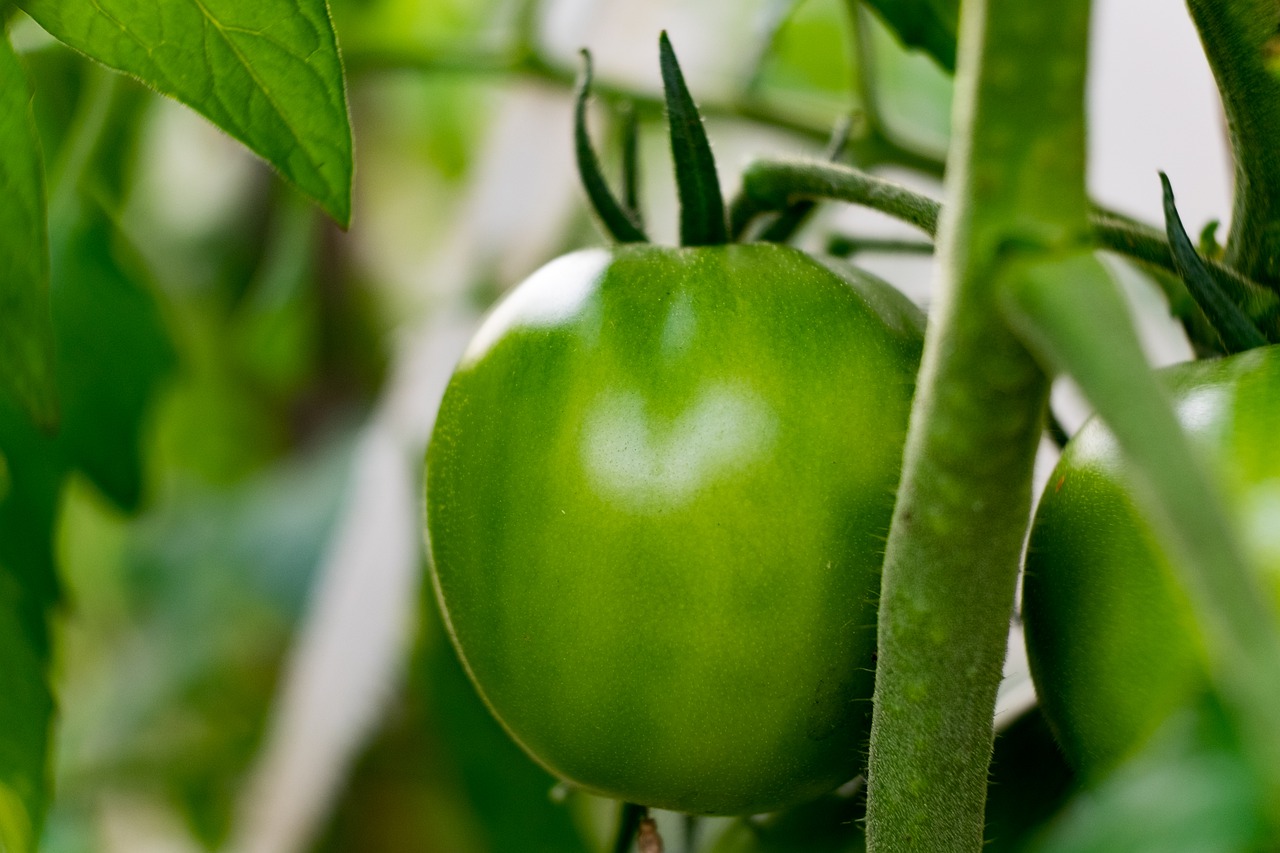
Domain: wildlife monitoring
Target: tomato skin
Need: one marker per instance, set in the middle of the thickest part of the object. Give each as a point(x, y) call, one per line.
point(657, 493)
point(1112, 642)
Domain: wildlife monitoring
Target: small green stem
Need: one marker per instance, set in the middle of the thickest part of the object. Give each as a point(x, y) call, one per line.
point(868, 148)
point(1242, 41)
point(842, 246)
point(772, 185)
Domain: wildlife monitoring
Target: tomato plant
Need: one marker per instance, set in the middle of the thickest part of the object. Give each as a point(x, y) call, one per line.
point(1113, 642)
point(657, 493)
point(718, 528)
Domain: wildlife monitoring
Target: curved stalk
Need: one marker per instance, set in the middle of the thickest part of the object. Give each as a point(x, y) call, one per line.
point(771, 185)
point(1015, 184)
point(1242, 41)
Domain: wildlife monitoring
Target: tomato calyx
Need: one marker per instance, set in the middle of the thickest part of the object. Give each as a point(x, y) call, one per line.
point(702, 210)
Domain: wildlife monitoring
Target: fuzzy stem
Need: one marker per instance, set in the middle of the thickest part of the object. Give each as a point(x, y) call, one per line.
point(1015, 185)
point(1242, 41)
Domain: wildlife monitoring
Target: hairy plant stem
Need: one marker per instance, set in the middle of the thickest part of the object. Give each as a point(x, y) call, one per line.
point(772, 185)
point(868, 146)
point(1242, 41)
point(1015, 185)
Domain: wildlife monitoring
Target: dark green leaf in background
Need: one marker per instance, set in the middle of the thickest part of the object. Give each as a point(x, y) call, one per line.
point(1189, 790)
point(113, 353)
point(25, 715)
point(26, 330)
point(928, 25)
point(265, 71)
point(28, 505)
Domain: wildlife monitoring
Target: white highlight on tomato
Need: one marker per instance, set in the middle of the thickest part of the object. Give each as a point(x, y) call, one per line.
point(646, 464)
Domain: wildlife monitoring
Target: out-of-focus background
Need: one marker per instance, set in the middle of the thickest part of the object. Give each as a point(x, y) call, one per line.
point(247, 663)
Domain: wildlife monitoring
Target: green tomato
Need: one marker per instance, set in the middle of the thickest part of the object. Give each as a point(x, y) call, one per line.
point(657, 495)
point(1113, 645)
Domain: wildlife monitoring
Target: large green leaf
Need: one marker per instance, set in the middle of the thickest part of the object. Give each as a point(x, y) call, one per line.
point(928, 25)
point(26, 331)
point(113, 353)
point(265, 71)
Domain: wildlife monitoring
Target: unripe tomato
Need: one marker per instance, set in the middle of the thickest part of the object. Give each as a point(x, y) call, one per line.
point(1113, 646)
point(657, 496)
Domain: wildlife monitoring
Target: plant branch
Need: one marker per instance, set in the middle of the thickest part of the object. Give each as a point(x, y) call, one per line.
point(772, 185)
point(1241, 39)
point(1015, 182)
point(868, 146)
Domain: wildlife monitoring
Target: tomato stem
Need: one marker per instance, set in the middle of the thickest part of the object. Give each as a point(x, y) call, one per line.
point(790, 220)
point(771, 185)
point(1015, 185)
point(1242, 41)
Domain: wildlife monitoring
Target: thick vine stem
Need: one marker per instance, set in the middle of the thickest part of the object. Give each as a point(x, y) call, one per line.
point(1242, 39)
point(1015, 181)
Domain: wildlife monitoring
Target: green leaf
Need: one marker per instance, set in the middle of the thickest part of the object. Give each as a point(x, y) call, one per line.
point(702, 219)
point(265, 71)
point(927, 25)
point(26, 329)
point(113, 353)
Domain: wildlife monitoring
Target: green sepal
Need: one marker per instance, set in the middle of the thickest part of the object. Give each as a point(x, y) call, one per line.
point(1233, 325)
point(615, 218)
point(629, 130)
point(702, 215)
